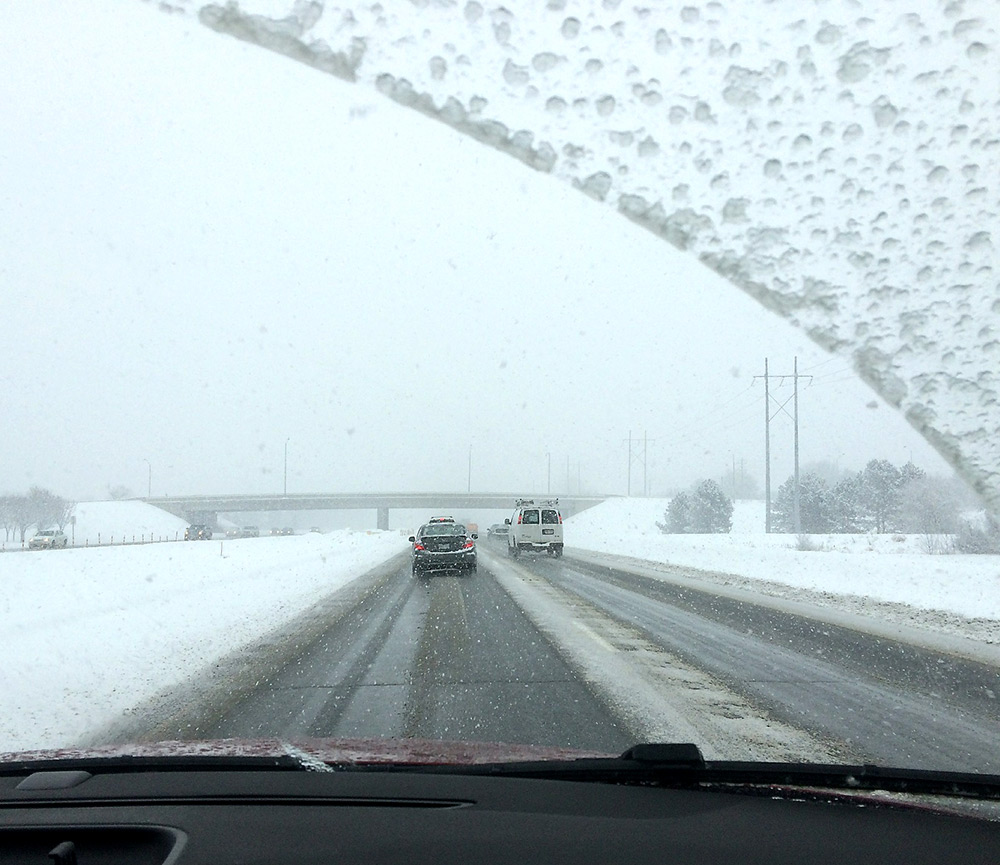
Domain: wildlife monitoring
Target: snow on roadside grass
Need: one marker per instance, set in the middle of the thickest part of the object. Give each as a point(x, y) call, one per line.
point(89, 633)
point(107, 522)
point(886, 568)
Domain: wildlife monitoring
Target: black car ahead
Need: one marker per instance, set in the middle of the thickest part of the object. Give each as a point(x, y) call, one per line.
point(440, 546)
point(198, 532)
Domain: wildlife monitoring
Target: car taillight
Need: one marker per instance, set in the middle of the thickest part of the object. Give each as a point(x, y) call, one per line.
point(419, 547)
point(519, 518)
point(468, 545)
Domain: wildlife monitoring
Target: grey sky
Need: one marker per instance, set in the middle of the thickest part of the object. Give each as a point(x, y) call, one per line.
point(209, 249)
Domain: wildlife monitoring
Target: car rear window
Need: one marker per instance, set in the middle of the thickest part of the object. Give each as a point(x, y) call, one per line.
point(444, 529)
point(550, 518)
point(530, 518)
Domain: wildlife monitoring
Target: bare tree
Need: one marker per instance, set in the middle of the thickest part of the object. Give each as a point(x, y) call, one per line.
point(66, 514)
point(45, 508)
point(118, 492)
point(930, 506)
point(8, 515)
point(20, 515)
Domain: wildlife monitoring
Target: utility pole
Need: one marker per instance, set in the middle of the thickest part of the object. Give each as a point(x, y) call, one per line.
point(645, 485)
point(635, 454)
point(629, 463)
point(797, 511)
point(796, 515)
point(767, 451)
point(285, 488)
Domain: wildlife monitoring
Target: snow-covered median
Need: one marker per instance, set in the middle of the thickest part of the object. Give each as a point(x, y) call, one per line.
point(868, 573)
point(89, 633)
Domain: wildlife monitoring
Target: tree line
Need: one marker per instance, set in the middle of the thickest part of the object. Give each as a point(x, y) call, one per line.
point(38, 507)
point(881, 498)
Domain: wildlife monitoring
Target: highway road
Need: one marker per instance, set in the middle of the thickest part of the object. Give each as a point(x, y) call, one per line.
point(569, 653)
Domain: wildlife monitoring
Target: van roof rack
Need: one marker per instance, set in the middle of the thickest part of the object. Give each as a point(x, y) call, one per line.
point(520, 503)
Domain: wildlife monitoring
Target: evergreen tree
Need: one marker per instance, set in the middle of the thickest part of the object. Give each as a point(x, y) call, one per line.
point(814, 506)
point(678, 515)
point(846, 511)
point(880, 483)
point(711, 509)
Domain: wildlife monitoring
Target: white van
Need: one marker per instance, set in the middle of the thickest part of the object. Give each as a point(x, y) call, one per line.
point(535, 528)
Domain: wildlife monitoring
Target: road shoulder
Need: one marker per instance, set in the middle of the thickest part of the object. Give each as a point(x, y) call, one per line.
point(930, 629)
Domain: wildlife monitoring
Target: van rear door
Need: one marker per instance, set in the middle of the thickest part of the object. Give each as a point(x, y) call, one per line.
point(551, 526)
point(529, 529)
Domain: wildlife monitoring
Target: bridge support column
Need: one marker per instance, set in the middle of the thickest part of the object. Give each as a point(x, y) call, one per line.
point(383, 519)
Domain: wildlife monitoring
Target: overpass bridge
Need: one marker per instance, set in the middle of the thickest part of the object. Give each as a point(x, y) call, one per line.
point(206, 509)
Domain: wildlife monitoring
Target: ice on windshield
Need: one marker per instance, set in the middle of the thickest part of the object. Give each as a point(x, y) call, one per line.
point(841, 167)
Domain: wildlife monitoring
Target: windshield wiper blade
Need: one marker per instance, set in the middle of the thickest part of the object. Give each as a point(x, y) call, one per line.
point(682, 765)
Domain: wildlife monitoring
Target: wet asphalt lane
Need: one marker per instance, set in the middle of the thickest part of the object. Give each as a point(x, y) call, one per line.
point(438, 657)
point(888, 702)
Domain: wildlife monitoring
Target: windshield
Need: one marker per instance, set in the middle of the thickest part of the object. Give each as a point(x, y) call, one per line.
point(695, 305)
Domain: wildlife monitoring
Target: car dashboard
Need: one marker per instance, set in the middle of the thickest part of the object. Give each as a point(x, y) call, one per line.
point(264, 815)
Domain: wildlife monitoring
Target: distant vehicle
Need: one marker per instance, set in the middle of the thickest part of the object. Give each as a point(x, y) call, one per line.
point(234, 533)
point(198, 532)
point(535, 528)
point(497, 532)
point(316, 530)
point(48, 539)
point(249, 532)
point(443, 546)
point(274, 532)
point(473, 528)
point(286, 531)
point(440, 520)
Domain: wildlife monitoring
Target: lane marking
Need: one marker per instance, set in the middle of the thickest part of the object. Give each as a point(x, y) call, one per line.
point(597, 638)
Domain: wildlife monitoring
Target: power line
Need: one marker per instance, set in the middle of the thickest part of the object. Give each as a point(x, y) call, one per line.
point(700, 419)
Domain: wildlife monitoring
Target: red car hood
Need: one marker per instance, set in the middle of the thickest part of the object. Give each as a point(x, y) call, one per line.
point(335, 751)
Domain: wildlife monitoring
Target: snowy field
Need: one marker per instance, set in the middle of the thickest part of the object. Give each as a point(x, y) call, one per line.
point(871, 573)
point(96, 631)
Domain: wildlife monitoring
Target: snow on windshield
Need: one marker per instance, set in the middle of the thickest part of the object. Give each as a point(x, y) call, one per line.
point(840, 166)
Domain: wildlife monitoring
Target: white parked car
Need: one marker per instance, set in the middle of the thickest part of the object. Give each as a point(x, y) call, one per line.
point(535, 528)
point(48, 539)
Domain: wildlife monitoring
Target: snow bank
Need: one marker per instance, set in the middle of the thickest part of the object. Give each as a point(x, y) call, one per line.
point(89, 633)
point(118, 520)
point(93, 523)
point(886, 568)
